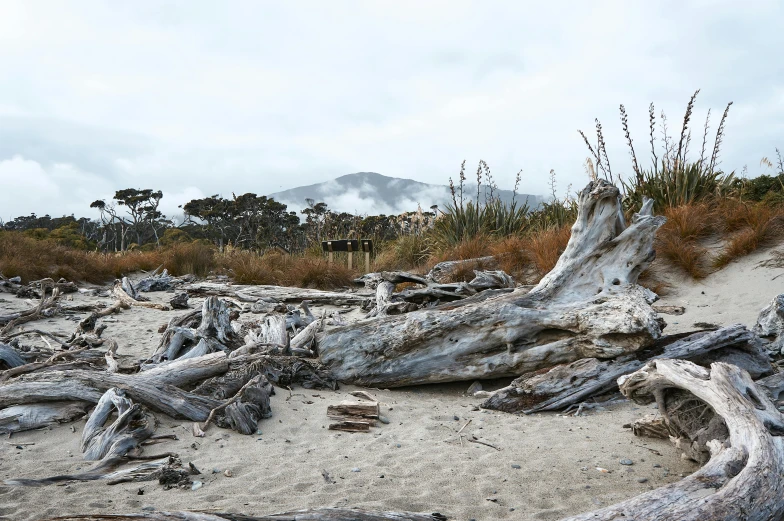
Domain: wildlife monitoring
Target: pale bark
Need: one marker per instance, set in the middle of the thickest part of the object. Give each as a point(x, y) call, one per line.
point(569, 384)
point(588, 306)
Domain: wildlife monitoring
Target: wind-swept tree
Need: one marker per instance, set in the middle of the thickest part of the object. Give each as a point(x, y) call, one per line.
point(142, 206)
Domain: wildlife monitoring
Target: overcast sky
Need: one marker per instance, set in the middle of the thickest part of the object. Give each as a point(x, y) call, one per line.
point(202, 97)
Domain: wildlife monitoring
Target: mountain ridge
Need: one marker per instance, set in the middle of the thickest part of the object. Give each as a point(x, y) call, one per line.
point(374, 194)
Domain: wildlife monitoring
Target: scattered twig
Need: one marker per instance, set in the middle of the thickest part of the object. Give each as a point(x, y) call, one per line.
point(474, 440)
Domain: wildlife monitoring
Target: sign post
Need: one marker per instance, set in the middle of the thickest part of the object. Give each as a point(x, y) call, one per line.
point(349, 246)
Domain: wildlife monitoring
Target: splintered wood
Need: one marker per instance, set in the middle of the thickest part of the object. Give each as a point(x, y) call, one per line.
point(353, 416)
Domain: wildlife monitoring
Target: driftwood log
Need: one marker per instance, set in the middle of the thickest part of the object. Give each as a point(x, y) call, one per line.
point(276, 294)
point(569, 384)
point(589, 305)
point(121, 292)
point(20, 418)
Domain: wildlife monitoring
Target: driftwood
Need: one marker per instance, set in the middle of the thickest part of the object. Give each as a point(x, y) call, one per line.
point(589, 305)
point(770, 324)
point(121, 289)
point(214, 333)
point(157, 282)
point(651, 426)
point(20, 418)
point(353, 410)
point(743, 478)
point(166, 468)
point(132, 426)
point(443, 271)
point(9, 357)
point(322, 514)
point(47, 307)
point(411, 299)
point(281, 371)
point(350, 426)
point(275, 294)
point(179, 301)
point(157, 388)
point(569, 384)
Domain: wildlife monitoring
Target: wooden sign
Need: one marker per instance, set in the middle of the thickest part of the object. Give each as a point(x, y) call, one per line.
point(350, 246)
point(340, 245)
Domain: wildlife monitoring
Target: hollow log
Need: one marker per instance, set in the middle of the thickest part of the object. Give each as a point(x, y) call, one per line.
point(744, 478)
point(589, 305)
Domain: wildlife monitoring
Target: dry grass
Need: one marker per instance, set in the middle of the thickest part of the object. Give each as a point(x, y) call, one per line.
point(512, 257)
point(408, 252)
point(34, 259)
point(678, 241)
point(682, 242)
point(546, 246)
point(687, 255)
point(303, 271)
point(749, 227)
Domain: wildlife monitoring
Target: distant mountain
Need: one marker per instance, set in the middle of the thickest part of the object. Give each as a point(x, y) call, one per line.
point(374, 194)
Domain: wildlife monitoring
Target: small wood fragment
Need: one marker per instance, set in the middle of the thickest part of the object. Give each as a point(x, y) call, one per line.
point(350, 426)
point(364, 395)
point(353, 410)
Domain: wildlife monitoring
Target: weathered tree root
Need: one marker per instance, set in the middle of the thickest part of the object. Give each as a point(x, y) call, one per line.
point(744, 478)
point(214, 333)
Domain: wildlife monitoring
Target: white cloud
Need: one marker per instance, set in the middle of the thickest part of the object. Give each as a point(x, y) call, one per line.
point(29, 184)
point(268, 96)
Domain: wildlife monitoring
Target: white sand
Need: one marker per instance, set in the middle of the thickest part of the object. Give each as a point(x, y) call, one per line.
point(423, 464)
point(734, 295)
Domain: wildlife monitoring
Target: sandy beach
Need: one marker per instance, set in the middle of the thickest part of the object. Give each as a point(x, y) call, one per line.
point(543, 466)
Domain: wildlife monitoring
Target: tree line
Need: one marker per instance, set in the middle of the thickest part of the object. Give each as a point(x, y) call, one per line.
point(132, 220)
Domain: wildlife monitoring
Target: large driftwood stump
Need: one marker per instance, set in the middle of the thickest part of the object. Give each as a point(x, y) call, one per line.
point(589, 305)
point(744, 478)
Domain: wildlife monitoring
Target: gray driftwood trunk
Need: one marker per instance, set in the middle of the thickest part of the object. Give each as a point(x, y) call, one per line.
point(589, 305)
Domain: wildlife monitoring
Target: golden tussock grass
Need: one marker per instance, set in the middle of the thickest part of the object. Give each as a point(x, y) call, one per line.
point(748, 228)
point(303, 271)
point(34, 259)
point(546, 246)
